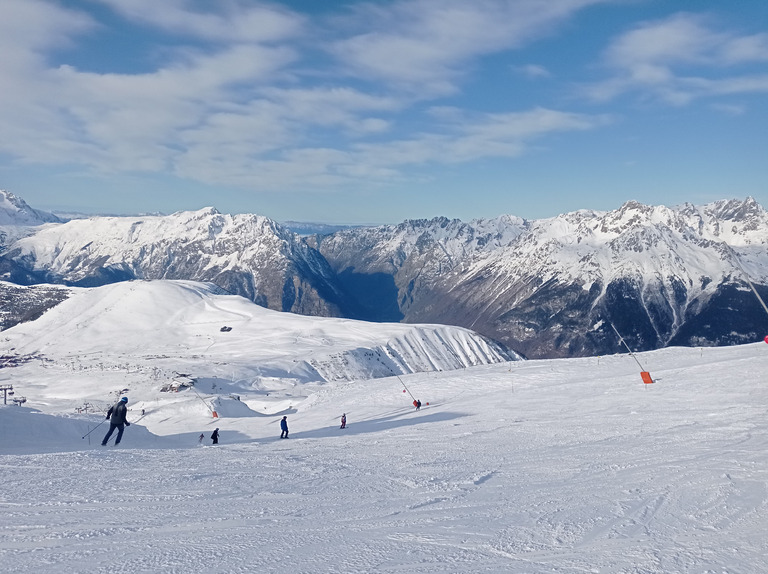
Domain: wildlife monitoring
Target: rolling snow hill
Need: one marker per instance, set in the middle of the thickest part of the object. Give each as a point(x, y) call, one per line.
point(151, 331)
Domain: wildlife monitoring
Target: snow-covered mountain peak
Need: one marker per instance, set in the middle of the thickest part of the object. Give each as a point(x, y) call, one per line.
point(679, 270)
point(247, 254)
point(203, 212)
point(121, 240)
point(737, 210)
point(15, 211)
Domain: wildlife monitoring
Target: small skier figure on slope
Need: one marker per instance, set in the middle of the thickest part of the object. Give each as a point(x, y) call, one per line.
point(116, 415)
point(215, 436)
point(343, 421)
point(284, 427)
point(417, 404)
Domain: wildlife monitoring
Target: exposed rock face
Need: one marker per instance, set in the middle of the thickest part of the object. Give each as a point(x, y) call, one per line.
point(553, 287)
point(19, 304)
point(247, 255)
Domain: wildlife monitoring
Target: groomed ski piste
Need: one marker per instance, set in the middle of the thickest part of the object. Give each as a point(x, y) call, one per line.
point(565, 466)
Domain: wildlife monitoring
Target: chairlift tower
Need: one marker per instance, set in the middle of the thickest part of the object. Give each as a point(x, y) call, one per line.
point(5, 389)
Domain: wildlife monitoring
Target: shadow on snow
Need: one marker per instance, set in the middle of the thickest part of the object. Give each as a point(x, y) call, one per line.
point(380, 424)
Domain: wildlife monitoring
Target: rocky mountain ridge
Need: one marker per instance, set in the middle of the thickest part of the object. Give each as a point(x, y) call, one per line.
point(547, 288)
point(249, 255)
point(553, 287)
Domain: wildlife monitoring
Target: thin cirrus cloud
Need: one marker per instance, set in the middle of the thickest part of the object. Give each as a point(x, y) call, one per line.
point(534, 71)
point(470, 138)
point(425, 46)
point(232, 104)
point(463, 139)
point(237, 22)
point(681, 58)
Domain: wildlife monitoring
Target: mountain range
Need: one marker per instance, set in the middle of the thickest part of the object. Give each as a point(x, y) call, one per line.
point(582, 283)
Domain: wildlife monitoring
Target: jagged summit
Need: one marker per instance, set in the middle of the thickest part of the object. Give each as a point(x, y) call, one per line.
point(666, 275)
point(15, 211)
point(245, 254)
point(549, 287)
point(735, 210)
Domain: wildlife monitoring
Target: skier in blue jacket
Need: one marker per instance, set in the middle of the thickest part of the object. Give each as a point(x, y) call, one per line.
point(284, 427)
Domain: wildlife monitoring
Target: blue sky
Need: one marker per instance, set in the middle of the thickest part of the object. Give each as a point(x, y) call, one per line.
point(376, 112)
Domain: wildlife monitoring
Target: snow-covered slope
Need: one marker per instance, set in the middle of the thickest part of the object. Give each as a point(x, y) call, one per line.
point(566, 466)
point(19, 303)
point(17, 219)
point(150, 331)
point(14, 211)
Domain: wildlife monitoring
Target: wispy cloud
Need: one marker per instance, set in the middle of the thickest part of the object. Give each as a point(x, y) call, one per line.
point(471, 136)
point(463, 138)
point(730, 109)
point(236, 21)
point(425, 46)
point(534, 71)
point(682, 58)
point(236, 101)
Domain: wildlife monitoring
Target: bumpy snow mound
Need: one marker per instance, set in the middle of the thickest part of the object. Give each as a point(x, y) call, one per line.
point(28, 430)
point(131, 324)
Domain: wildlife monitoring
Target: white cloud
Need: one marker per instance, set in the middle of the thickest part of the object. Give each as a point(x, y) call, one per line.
point(462, 139)
point(29, 26)
point(423, 46)
point(534, 71)
point(238, 109)
point(682, 58)
point(112, 122)
point(730, 109)
point(231, 21)
point(484, 135)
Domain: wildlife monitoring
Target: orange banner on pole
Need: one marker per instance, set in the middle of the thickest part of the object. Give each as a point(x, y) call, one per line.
point(646, 377)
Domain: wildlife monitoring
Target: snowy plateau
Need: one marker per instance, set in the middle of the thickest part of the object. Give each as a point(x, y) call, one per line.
point(559, 466)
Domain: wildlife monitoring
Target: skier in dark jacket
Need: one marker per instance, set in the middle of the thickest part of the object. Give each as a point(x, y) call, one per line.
point(284, 427)
point(215, 436)
point(116, 415)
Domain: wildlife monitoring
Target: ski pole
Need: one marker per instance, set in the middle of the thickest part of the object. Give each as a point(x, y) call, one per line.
point(94, 428)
